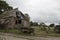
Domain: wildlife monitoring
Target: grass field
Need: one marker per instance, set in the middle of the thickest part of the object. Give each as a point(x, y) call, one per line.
point(48, 32)
point(38, 32)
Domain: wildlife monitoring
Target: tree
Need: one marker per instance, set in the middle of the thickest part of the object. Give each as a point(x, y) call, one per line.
point(34, 23)
point(51, 25)
point(43, 26)
point(4, 6)
point(31, 23)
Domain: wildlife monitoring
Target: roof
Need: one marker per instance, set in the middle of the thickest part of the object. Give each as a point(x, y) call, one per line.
point(7, 13)
point(11, 12)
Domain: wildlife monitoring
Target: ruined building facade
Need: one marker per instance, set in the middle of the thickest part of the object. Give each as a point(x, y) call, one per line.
point(12, 18)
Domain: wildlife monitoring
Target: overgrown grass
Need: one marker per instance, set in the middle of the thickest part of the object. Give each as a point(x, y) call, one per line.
point(46, 33)
point(38, 32)
point(10, 31)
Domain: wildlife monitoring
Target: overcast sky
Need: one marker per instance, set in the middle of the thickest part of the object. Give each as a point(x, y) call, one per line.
point(47, 11)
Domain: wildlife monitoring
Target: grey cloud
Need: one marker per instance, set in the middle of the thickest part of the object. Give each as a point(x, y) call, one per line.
point(47, 11)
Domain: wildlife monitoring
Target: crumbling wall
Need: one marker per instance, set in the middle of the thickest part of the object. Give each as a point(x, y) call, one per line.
point(10, 18)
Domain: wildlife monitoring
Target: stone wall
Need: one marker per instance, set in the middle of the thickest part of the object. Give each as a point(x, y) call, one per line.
point(9, 19)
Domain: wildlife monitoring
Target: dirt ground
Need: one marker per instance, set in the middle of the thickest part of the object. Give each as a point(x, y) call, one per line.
point(20, 37)
point(10, 38)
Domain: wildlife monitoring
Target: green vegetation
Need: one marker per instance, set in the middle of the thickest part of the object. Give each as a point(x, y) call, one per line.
point(34, 23)
point(4, 6)
point(45, 33)
point(38, 32)
point(10, 31)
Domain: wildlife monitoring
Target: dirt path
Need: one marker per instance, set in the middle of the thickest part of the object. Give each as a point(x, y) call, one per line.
point(10, 38)
point(7, 36)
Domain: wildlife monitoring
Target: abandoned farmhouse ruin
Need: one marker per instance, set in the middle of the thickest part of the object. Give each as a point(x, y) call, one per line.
point(12, 18)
